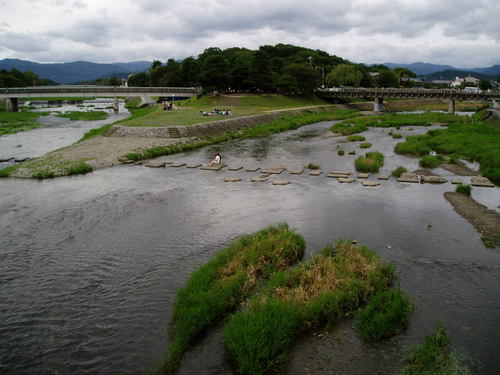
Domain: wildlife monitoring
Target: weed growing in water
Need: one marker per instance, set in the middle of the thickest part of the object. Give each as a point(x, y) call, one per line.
point(312, 166)
point(365, 145)
point(464, 189)
point(369, 163)
point(399, 171)
point(431, 161)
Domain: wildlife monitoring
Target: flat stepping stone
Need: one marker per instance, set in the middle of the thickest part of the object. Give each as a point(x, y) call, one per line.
point(155, 164)
point(258, 179)
point(177, 165)
point(456, 181)
point(252, 169)
point(232, 179)
point(264, 175)
point(383, 177)
point(121, 159)
point(409, 177)
point(217, 167)
point(275, 170)
point(235, 168)
point(195, 165)
point(346, 173)
point(345, 180)
point(335, 175)
point(297, 171)
point(281, 182)
point(363, 175)
point(370, 183)
point(481, 181)
point(434, 179)
point(129, 162)
point(315, 172)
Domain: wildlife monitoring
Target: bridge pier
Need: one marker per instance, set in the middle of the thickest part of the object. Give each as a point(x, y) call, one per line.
point(11, 105)
point(115, 105)
point(451, 106)
point(378, 105)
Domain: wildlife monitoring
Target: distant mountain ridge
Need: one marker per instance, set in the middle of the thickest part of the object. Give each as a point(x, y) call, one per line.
point(77, 71)
point(422, 69)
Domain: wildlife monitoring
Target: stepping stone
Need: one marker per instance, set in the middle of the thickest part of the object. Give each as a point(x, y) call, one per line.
point(345, 180)
point(383, 177)
point(315, 172)
point(155, 164)
point(409, 177)
point(481, 181)
point(232, 179)
point(281, 182)
point(278, 169)
point(297, 171)
point(168, 162)
point(264, 175)
point(121, 159)
point(434, 179)
point(363, 175)
point(345, 173)
point(370, 183)
point(130, 162)
point(335, 175)
point(236, 168)
point(195, 165)
point(252, 169)
point(177, 165)
point(258, 179)
point(216, 167)
point(456, 181)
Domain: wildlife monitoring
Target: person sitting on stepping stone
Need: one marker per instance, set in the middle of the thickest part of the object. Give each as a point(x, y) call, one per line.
point(217, 160)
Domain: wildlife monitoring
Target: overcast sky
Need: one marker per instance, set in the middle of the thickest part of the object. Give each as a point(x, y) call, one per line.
point(462, 33)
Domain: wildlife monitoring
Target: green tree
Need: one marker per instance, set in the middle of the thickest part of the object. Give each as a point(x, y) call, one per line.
point(190, 72)
point(155, 64)
point(139, 80)
point(213, 69)
point(404, 73)
point(485, 84)
point(387, 78)
point(344, 75)
point(307, 78)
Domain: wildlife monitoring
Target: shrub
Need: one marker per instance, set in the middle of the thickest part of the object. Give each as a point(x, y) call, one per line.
point(464, 189)
point(312, 166)
point(79, 168)
point(397, 136)
point(386, 315)
point(365, 145)
point(341, 152)
point(371, 162)
point(355, 138)
point(431, 161)
point(399, 171)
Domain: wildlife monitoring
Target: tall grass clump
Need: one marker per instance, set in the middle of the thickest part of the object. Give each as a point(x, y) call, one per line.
point(387, 314)
point(333, 283)
point(434, 357)
point(79, 168)
point(371, 162)
point(219, 286)
point(464, 189)
point(84, 116)
point(365, 145)
point(356, 138)
point(429, 161)
point(399, 171)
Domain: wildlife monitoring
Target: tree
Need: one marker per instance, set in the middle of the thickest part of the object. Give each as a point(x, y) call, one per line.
point(485, 84)
point(404, 73)
point(190, 72)
point(139, 80)
point(213, 69)
point(387, 78)
point(344, 75)
point(155, 64)
point(307, 78)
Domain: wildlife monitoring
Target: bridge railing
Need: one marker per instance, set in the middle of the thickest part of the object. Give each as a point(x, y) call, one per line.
point(97, 89)
point(445, 93)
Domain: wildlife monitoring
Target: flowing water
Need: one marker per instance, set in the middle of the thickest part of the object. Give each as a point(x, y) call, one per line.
point(89, 265)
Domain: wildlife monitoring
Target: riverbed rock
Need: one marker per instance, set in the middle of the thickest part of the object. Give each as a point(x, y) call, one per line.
point(277, 169)
point(383, 177)
point(155, 164)
point(481, 181)
point(345, 173)
point(315, 172)
point(234, 168)
point(281, 182)
point(252, 169)
point(345, 180)
point(177, 165)
point(409, 177)
point(258, 179)
point(434, 179)
point(457, 181)
point(232, 179)
point(363, 175)
point(370, 183)
point(297, 171)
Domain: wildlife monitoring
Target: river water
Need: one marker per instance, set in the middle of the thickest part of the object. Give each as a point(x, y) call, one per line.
point(89, 265)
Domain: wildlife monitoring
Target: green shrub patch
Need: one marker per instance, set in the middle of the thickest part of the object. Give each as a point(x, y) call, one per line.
point(370, 163)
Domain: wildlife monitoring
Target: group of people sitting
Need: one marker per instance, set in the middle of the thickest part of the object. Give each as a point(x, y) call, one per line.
point(216, 111)
point(167, 106)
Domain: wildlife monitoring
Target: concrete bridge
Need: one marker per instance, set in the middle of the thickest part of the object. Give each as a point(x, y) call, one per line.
point(11, 95)
point(378, 94)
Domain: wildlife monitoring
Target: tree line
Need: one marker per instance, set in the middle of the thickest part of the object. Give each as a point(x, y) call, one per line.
point(282, 68)
point(16, 78)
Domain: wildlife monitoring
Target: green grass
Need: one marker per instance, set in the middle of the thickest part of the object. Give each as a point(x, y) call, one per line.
point(428, 161)
point(219, 286)
point(312, 166)
point(14, 122)
point(355, 138)
point(396, 136)
point(474, 141)
point(488, 243)
point(329, 286)
point(371, 162)
point(464, 189)
point(387, 314)
point(434, 357)
point(341, 152)
point(276, 126)
point(399, 171)
point(47, 167)
point(5, 172)
point(85, 116)
point(365, 145)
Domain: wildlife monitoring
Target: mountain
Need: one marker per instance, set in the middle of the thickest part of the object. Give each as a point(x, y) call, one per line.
point(450, 75)
point(425, 69)
point(491, 71)
point(77, 71)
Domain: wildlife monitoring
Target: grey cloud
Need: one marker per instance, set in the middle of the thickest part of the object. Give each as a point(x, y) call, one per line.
point(94, 32)
point(22, 42)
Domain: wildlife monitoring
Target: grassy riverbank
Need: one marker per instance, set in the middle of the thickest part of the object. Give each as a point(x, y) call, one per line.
point(14, 122)
point(218, 287)
point(84, 116)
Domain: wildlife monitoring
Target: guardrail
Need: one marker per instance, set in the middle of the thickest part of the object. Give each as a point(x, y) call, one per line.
point(119, 90)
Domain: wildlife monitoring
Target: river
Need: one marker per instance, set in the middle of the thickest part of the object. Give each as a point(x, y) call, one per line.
point(89, 265)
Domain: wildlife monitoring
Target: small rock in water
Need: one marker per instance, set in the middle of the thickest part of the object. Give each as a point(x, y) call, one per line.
point(355, 241)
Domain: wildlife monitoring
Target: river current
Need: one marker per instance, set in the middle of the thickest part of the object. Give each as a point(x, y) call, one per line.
point(89, 265)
